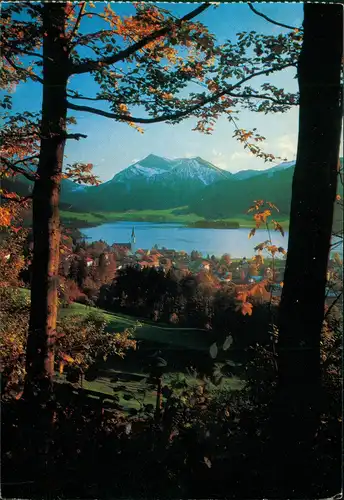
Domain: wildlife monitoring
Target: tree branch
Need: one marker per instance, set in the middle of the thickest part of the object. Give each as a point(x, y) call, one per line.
point(34, 7)
point(91, 65)
point(85, 98)
point(171, 116)
point(90, 36)
point(333, 304)
point(77, 22)
point(16, 200)
point(14, 166)
point(33, 76)
point(77, 137)
point(13, 48)
point(271, 20)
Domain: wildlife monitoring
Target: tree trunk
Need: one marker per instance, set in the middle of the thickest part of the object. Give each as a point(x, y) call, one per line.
point(313, 196)
point(158, 399)
point(46, 192)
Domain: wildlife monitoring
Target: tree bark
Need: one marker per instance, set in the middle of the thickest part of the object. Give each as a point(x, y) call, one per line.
point(311, 216)
point(46, 192)
point(158, 399)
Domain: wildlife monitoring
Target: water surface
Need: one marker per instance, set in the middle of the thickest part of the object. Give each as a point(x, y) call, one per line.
point(179, 237)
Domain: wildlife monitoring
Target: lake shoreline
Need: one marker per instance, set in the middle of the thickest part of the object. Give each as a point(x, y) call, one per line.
point(232, 224)
point(179, 237)
point(170, 216)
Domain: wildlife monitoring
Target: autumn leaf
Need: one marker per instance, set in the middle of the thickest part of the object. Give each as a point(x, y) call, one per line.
point(272, 249)
point(67, 358)
point(272, 205)
point(252, 233)
point(261, 246)
point(265, 215)
point(242, 296)
point(278, 227)
point(256, 206)
point(246, 309)
point(123, 107)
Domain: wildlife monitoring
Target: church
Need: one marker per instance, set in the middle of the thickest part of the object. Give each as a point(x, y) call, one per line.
point(130, 246)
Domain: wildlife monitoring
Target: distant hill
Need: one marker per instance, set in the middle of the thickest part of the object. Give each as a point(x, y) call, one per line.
point(234, 196)
point(158, 183)
point(246, 174)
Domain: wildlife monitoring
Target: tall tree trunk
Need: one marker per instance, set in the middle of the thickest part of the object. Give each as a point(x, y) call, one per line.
point(158, 399)
point(46, 224)
point(311, 217)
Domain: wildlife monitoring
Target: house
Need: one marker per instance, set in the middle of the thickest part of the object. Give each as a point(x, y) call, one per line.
point(89, 262)
point(128, 247)
point(204, 266)
point(227, 277)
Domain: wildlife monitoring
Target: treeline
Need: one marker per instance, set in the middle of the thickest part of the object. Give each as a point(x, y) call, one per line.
point(215, 224)
point(185, 301)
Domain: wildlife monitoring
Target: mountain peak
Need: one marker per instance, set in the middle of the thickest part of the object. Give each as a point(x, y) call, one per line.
point(154, 168)
point(151, 157)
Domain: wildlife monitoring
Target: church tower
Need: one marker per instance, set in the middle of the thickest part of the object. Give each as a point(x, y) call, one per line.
point(133, 240)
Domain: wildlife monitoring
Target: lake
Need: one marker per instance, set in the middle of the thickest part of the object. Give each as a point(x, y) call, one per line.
point(179, 237)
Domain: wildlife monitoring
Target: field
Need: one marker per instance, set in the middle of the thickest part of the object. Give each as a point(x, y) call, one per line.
point(170, 215)
point(180, 347)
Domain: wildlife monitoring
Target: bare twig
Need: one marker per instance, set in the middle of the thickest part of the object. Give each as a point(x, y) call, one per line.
point(77, 23)
point(333, 304)
point(272, 20)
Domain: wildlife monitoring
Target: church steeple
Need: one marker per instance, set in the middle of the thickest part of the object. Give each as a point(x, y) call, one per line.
point(133, 237)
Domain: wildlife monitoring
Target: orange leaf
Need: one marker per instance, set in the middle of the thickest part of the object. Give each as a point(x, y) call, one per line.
point(246, 309)
point(272, 205)
point(67, 358)
point(242, 296)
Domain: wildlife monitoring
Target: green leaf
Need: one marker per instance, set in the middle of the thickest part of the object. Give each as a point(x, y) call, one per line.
point(213, 350)
point(227, 343)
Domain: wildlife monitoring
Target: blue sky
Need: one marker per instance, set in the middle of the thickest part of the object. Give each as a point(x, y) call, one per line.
point(112, 146)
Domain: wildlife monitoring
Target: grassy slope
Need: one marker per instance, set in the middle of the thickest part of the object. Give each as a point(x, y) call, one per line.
point(189, 338)
point(126, 372)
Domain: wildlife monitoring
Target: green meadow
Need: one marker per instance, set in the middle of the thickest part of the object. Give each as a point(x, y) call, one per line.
point(170, 215)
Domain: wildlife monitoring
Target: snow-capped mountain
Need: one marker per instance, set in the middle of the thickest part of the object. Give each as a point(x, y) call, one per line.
point(148, 168)
point(152, 183)
point(157, 169)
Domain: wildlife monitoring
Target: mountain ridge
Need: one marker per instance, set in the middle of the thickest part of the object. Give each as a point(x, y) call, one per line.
point(157, 183)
